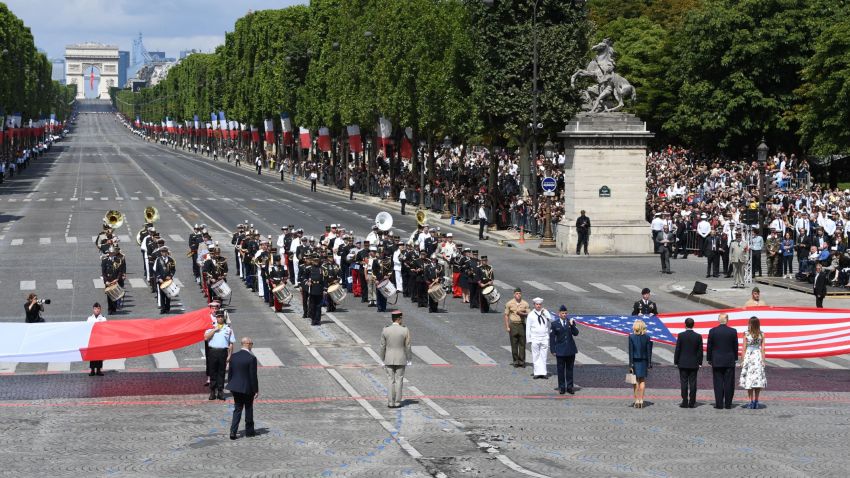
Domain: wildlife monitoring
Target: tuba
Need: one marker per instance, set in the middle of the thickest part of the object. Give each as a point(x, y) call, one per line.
point(151, 214)
point(421, 217)
point(384, 221)
point(113, 219)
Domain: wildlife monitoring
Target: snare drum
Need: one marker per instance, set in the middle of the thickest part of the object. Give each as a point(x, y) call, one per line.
point(491, 294)
point(169, 288)
point(115, 292)
point(283, 294)
point(337, 293)
point(387, 288)
point(436, 292)
point(221, 289)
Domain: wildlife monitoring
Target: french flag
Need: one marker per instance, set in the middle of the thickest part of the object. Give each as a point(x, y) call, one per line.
point(354, 140)
point(304, 136)
point(406, 149)
point(385, 133)
point(269, 127)
point(324, 140)
point(255, 134)
point(286, 127)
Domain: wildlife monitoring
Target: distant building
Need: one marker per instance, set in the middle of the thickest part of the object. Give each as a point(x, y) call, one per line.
point(81, 62)
point(157, 55)
point(58, 72)
point(123, 64)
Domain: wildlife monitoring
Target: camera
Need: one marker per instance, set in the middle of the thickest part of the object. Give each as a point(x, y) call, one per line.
point(43, 301)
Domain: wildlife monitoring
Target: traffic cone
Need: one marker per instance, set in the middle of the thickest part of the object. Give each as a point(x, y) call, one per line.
point(522, 234)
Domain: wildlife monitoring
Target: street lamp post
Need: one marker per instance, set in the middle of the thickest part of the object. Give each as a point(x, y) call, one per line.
point(447, 145)
point(548, 241)
point(762, 151)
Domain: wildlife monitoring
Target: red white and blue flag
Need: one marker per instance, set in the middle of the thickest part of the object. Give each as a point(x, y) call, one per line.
point(790, 332)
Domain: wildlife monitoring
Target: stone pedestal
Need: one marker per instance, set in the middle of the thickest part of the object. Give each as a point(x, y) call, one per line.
point(605, 175)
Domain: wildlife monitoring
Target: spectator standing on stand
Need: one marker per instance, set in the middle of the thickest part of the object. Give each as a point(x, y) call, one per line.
point(482, 220)
point(756, 245)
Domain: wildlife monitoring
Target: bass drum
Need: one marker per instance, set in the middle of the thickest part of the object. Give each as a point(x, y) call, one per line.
point(491, 294)
point(283, 294)
point(337, 293)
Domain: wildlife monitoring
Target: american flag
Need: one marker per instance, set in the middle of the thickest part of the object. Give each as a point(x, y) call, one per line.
point(790, 332)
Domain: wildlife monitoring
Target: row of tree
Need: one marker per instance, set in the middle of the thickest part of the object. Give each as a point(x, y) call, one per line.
point(716, 75)
point(25, 75)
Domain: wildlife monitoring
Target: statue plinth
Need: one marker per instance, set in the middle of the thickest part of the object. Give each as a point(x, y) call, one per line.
point(605, 175)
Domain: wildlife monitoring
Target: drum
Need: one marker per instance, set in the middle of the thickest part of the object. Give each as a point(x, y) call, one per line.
point(436, 292)
point(283, 294)
point(337, 293)
point(115, 292)
point(387, 288)
point(170, 289)
point(491, 294)
point(221, 289)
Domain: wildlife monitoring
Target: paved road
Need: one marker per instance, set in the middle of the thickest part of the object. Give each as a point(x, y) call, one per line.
point(321, 408)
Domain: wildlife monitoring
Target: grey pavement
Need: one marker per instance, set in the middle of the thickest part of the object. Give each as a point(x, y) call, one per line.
point(322, 405)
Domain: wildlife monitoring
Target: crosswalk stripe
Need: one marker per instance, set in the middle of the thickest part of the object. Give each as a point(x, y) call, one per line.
point(88, 199)
point(604, 288)
point(59, 367)
point(633, 288)
point(13, 200)
point(211, 199)
point(134, 198)
point(782, 363)
point(571, 287)
point(825, 363)
point(97, 282)
point(119, 199)
point(477, 355)
point(148, 198)
point(537, 285)
point(104, 198)
point(17, 242)
point(266, 357)
point(27, 285)
point(527, 352)
point(502, 285)
point(115, 364)
point(137, 282)
point(176, 237)
point(59, 199)
point(165, 359)
point(427, 355)
point(586, 360)
point(71, 240)
point(665, 354)
point(616, 353)
point(44, 241)
point(8, 367)
point(64, 284)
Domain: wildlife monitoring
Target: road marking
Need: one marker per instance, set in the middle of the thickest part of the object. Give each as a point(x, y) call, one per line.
point(571, 287)
point(345, 328)
point(604, 288)
point(782, 363)
point(586, 360)
point(512, 465)
point(477, 355)
point(428, 401)
point(44, 241)
point(176, 237)
point(98, 283)
point(428, 356)
point(502, 285)
point(528, 358)
point(134, 198)
point(8, 367)
point(616, 353)
point(211, 199)
point(266, 357)
point(114, 364)
point(825, 363)
point(59, 367)
point(64, 284)
point(41, 200)
point(17, 242)
point(665, 354)
point(71, 240)
point(119, 199)
point(24, 200)
point(137, 282)
point(148, 198)
point(58, 199)
point(196, 199)
point(165, 359)
point(104, 198)
point(537, 285)
point(633, 288)
point(88, 199)
point(27, 285)
point(13, 200)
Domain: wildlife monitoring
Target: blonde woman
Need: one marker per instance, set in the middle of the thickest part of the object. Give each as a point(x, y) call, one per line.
point(640, 359)
point(752, 369)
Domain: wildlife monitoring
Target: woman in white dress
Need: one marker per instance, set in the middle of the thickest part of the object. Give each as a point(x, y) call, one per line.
point(752, 368)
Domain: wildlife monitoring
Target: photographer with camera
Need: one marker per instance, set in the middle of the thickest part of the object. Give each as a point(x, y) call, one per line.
point(33, 309)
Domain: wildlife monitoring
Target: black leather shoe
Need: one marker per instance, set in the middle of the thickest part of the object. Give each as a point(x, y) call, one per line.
point(571, 391)
point(232, 436)
point(683, 405)
point(99, 373)
point(718, 408)
point(220, 395)
point(562, 391)
point(692, 405)
point(91, 374)
point(212, 395)
point(251, 433)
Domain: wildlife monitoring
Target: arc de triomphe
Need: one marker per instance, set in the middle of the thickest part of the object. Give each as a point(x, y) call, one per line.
point(79, 57)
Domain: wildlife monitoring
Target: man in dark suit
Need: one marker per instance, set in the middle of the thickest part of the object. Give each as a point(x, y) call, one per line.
point(819, 285)
point(563, 347)
point(242, 383)
point(711, 249)
point(644, 306)
point(688, 357)
point(722, 354)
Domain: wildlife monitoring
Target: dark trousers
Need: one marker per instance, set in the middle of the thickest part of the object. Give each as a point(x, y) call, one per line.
point(665, 259)
point(482, 224)
point(364, 286)
point(351, 194)
point(724, 386)
point(381, 300)
point(432, 304)
point(517, 336)
point(565, 371)
point(316, 309)
point(421, 292)
point(196, 269)
point(756, 263)
point(725, 256)
point(96, 364)
point(582, 242)
point(474, 295)
point(313, 185)
point(712, 264)
point(688, 382)
point(164, 301)
point(403, 203)
point(240, 401)
point(483, 303)
point(819, 301)
point(217, 360)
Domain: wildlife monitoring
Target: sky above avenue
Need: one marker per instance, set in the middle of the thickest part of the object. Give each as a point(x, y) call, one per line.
point(169, 25)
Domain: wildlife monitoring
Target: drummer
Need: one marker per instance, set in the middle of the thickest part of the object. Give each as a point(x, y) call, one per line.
point(485, 277)
point(433, 278)
point(277, 276)
point(330, 272)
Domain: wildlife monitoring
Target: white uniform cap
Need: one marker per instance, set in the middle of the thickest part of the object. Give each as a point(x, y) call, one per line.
point(537, 300)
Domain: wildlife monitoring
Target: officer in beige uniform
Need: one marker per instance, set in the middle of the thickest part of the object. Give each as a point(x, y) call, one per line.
point(516, 311)
point(395, 355)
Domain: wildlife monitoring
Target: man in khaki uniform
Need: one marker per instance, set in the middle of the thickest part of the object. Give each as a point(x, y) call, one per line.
point(395, 354)
point(516, 311)
point(738, 252)
point(773, 257)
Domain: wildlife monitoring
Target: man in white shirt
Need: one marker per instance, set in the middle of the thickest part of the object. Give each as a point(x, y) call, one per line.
point(402, 198)
point(281, 241)
point(703, 229)
point(293, 248)
point(373, 237)
point(538, 324)
point(482, 220)
point(397, 257)
point(96, 366)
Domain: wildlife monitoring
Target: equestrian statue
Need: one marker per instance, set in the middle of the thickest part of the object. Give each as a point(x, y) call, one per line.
point(610, 87)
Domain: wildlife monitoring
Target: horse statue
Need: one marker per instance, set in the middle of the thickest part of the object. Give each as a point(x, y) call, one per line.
point(609, 84)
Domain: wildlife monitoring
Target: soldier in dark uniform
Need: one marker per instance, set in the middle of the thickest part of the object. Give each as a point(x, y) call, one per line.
point(164, 269)
point(154, 252)
point(419, 279)
point(287, 244)
point(304, 270)
point(214, 269)
point(110, 271)
point(485, 277)
point(405, 257)
point(360, 260)
point(194, 240)
point(459, 283)
point(472, 279)
point(330, 271)
point(316, 287)
point(236, 241)
point(433, 275)
point(381, 270)
point(277, 276)
point(644, 306)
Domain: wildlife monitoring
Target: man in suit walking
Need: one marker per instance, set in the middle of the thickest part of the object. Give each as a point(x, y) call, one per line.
point(395, 354)
point(688, 357)
point(711, 251)
point(722, 354)
point(819, 285)
point(664, 241)
point(242, 383)
point(563, 347)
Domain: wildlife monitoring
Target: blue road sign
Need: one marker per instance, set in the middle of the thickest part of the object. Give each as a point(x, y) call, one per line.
point(548, 184)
